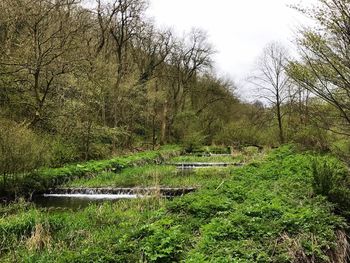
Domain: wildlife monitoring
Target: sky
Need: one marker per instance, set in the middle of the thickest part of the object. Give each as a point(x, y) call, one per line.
point(238, 29)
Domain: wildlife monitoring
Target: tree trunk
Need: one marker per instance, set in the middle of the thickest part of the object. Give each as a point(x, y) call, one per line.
point(280, 127)
point(154, 138)
point(164, 124)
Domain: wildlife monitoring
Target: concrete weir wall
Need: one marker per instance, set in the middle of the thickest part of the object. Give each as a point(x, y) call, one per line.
point(164, 191)
point(203, 165)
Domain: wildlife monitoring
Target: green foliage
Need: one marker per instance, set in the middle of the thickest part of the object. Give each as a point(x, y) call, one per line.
point(324, 175)
point(97, 142)
point(238, 133)
point(312, 138)
point(164, 241)
point(331, 178)
point(341, 147)
point(192, 141)
point(239, 219)
point(243, 132)
point(250, 151)
point(202, 206)
point(265, 211)
point(188, 131)
point(63, 153)
point(49, 177)
point(21, 151)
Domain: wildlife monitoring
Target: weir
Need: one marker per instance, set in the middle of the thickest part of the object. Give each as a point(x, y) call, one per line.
point(76, 198)
point(94, 196)
point(202, 165)
point(219, 154)
point(118, 192)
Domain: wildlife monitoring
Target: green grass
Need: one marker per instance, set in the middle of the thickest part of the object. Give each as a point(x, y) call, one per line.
point(160, 175)
point(212, 149)
point(95, 234)
point(152, 175)
point(248, 154)
point(129, 177)
point(50, 177)
point(266, 211)
point(213, 159)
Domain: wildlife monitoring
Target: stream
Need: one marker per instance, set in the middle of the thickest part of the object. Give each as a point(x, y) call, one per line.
point(77, 198)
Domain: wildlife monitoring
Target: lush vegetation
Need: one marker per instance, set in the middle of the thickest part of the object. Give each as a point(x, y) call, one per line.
point(91, 94)
point(45, 178)
point(81, 82)
point(267, 211)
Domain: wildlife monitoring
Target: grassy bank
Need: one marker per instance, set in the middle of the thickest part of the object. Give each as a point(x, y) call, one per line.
point(50, 177)
point(166, 175)
point(152, 175)
point(266, 211)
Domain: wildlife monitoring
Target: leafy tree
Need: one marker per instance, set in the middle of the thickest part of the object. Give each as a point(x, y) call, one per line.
point(324, 66)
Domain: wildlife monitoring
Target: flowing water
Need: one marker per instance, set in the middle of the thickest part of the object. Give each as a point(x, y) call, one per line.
point(76, 198)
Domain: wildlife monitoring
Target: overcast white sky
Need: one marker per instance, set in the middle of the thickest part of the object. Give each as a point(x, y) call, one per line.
point(238, 29)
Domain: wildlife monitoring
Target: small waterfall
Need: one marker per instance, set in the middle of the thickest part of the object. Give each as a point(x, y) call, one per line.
point(96, 196)
point(203, 165)
point(117, 193)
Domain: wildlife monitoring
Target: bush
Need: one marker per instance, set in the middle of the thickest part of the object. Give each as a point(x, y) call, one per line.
point(331, 179)
point(243, 133)
point(323, 177)
point(312, 138)
point(63, 153)
point(193, 141)
point(164, 242)
point(187, 129)
point(237, 133)
point(21, 150)
point(341, 148)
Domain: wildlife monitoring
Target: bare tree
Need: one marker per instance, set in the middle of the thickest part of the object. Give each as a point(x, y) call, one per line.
point(189, 58)
point(119, 23)
point(272, 81)
point(150, 50)
point(44, 53)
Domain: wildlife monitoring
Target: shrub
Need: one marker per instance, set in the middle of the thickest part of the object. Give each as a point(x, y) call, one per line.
point(238, 133)
point(21, 150)
point(63, 152)
point(193, 141)
point(244, 133)
point(187, 129)
point(312, 138)
point(164, 241)
point(323, 175)
point(341, 148)
point(331, 179)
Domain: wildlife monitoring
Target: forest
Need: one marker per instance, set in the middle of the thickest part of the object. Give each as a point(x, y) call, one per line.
point(96, 99)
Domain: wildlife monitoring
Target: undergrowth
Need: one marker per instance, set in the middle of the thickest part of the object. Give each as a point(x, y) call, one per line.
point(45, 178)
point(266, 211)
